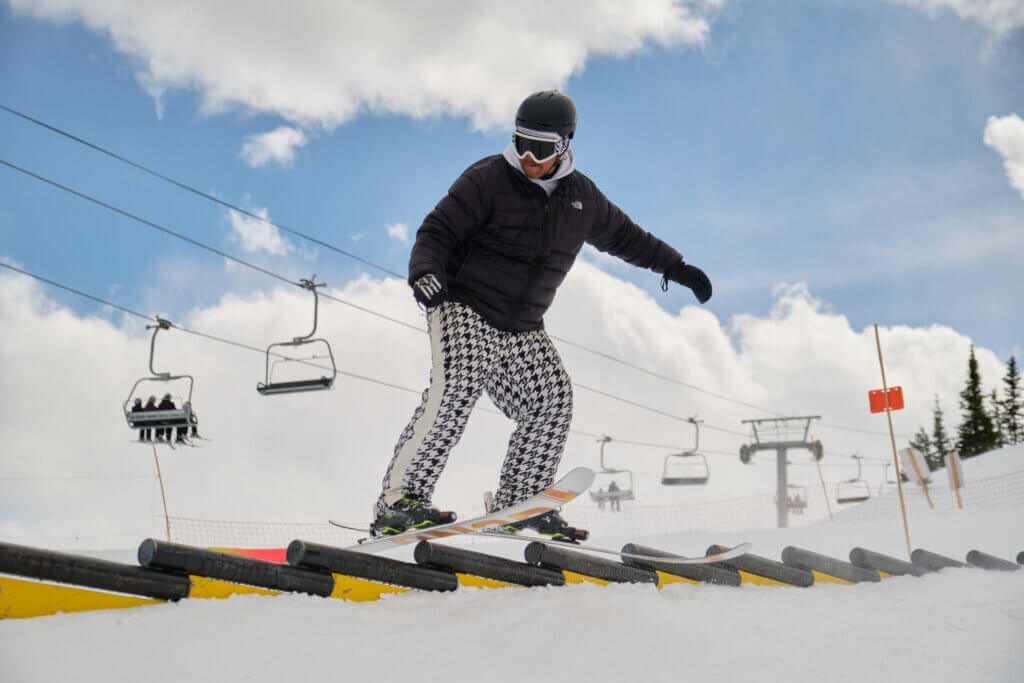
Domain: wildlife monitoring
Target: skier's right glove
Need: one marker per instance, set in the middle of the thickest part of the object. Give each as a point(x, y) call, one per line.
point(429, 290)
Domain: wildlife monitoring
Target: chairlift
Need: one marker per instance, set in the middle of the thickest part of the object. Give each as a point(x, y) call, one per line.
point(689, 467)
point(796, 498)
point(270, 387)
point(146, 420)
point(611, 485)
point(854, 490)
point(889, 482)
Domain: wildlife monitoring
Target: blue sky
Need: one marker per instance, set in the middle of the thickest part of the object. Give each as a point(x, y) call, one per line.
point(833, 143)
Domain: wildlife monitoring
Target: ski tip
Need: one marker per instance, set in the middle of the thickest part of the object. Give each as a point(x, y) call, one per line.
point(579, 478)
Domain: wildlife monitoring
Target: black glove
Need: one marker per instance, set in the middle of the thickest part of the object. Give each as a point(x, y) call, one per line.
point(429, 290)
point(689, 276)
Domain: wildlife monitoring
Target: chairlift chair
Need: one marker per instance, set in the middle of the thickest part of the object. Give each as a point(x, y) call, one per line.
point(179, 418)
point(889, 482)
point(796, 498)
point(270, 387)
point(854, 490)
point(602, 480)
point(687, 468)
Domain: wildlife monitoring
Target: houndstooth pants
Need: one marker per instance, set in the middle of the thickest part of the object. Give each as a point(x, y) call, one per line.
point(521, 372)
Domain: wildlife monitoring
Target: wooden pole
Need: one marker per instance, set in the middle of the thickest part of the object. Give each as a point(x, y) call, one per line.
point(892, 436)
point(951, 464)
point(167, 521)
point(920, 479)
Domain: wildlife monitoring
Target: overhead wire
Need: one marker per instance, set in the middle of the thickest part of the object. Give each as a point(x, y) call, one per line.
point(264, 219)
point(261, 351)
point(281, 278)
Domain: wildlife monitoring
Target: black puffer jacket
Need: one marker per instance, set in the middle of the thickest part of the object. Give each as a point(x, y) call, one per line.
point(503, 247)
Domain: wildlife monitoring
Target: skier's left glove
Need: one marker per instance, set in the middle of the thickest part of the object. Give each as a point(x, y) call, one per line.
point(688, 276)
point(429, 289)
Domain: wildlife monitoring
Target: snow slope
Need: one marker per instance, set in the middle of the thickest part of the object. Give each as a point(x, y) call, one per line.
point(958, 625)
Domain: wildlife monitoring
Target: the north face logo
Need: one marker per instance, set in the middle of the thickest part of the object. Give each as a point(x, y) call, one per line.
point(577, 205)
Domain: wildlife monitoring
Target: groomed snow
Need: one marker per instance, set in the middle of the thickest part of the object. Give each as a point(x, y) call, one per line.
point(958, 625)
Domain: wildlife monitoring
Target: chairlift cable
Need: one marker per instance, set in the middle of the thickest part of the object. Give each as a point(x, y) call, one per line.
point(329, 246)
point(198, 192)
point(263, 351)
point(205, 195)
point(265, 271)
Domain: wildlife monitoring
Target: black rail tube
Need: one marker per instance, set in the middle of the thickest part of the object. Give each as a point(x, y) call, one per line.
point(1020, 557)
point(976, 558)
point(933, 562)
point(450, 558)
point(367, 566)
point(235, 568)
point(90, 572)
point(812, 561)
point(581, 563)
point(869, 559)
point(708, 573)
point(763, 567)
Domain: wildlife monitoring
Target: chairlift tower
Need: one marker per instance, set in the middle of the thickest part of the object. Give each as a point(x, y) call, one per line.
point(790, 433)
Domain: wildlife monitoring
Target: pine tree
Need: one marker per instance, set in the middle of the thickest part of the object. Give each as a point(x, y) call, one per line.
point(923, 443)
point(976, 433)
point(940, 440)
point(1012, 425)
point(996, 411)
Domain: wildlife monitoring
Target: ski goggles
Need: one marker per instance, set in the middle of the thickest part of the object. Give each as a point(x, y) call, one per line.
point(542, 147)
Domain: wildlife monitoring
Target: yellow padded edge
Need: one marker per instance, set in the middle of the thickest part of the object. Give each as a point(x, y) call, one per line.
point(828, 578)
point(205, 587)
point(481, 582)
point(664, 579)
point(756, 580)
point(20, 599)
point(361, 590)
point(573, 577)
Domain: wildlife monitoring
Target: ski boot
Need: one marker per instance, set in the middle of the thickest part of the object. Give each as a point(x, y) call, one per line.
point(409, 514)
point(550, 524)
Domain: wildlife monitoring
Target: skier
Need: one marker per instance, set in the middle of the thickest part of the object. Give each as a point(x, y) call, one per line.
point(137, 408)
point(148, 408)
point(485, 264)
point(614, 498)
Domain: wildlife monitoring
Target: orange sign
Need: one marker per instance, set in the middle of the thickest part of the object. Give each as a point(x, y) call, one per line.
point(878, 402)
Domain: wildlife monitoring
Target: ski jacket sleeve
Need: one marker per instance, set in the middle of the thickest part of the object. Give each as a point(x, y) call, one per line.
point(448, 226)
point(615, 233)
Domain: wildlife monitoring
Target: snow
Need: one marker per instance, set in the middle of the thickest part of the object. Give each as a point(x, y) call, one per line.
point(957, 625)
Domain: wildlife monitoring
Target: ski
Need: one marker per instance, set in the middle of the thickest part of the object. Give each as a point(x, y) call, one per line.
point(574, 483)
point(364, 530)
point(731, 553)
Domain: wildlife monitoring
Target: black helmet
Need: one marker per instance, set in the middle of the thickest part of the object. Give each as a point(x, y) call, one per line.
point(548, 111)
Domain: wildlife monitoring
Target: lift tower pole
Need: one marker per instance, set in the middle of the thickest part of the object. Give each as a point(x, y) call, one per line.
point(789, 433)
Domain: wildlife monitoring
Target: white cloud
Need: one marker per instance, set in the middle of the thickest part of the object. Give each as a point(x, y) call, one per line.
point(255, 235)
point(399, 232)
point(325, 61)
point(999, 16)
point(1006, 136)
point(276, 146)
point(313, 456)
